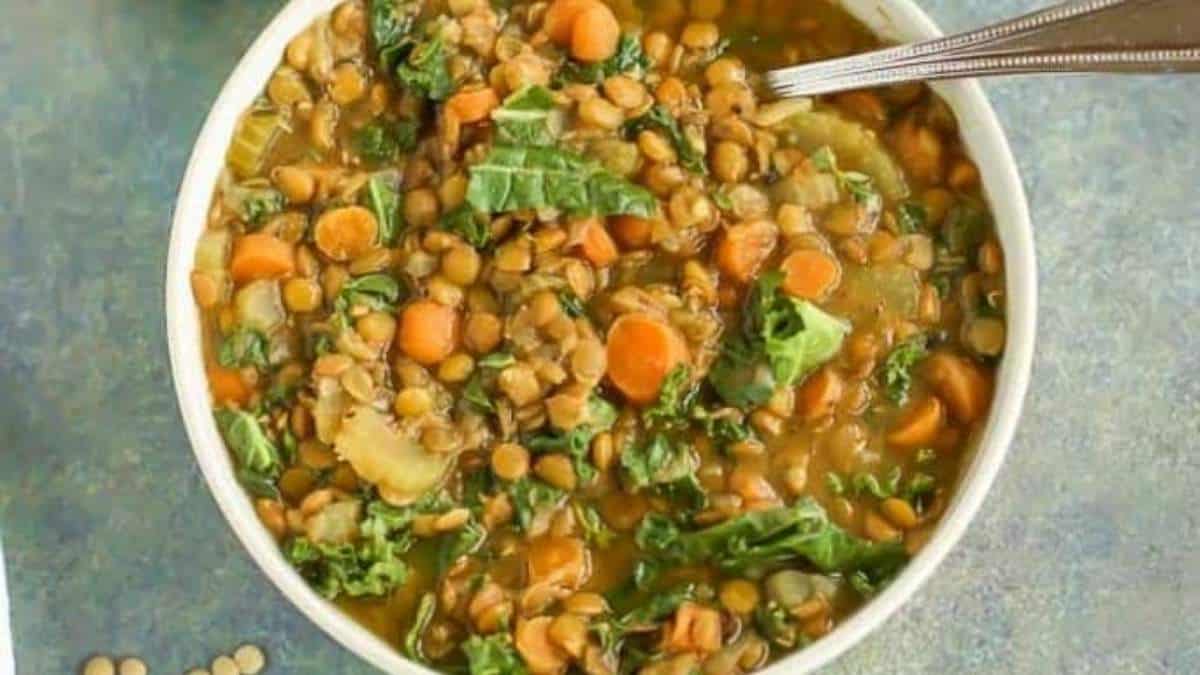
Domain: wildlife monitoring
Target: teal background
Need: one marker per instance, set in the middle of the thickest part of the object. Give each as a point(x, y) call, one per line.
point(1085, 558)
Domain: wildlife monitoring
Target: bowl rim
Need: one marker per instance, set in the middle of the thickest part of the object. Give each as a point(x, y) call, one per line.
point(986, 142)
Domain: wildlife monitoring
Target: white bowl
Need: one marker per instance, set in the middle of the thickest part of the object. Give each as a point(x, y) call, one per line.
point(899, 20)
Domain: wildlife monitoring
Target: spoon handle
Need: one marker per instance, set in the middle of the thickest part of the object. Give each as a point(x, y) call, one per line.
point(1108, 36)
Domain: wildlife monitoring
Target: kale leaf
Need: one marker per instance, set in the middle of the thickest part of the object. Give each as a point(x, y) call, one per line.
point(391, 23)
point(659, 117)
point(469, 224)
point(629, 58)
point(243, 347)
point(425, 71)
point(898, 367)
point(384, 141)
point(676, 398)
point(529, 116)
point(513, 178)
point(781, 340)
point(257, 456)
point(416, 632)
point(529, 496)
point(576, 443)
point(384, 198)
point(492, 655)
point(753, 542)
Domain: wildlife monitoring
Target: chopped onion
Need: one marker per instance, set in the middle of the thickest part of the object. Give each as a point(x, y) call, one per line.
point(388, 457)
point(260, 306)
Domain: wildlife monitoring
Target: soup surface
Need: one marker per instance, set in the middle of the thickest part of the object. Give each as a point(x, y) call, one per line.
point(544, 340)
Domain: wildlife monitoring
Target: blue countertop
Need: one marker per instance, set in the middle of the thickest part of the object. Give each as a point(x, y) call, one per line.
point(1085, 558)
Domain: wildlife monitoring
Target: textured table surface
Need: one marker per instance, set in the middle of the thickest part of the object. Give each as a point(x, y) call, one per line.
point(1085, 558)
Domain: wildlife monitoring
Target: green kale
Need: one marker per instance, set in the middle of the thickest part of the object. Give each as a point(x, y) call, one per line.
point(514, 178)
point(529, 116)
point(425, 71)
point(529, 496)
point(242, 348)
point(463, 541)
point(860, 186)
point(257, 457)
point(384, 198)
point(379, 292)
point(781, 340)
point(756, 541)
point(659, 117)
point(416, 632)
point(384, 141)
point(475, 391)
point(492, 655)
point(668, 468)
point(629, 58)
point(572, 305)
point(261, 204)
point(911, 217)
point(391, 23)
point(471, 225)
point(898, 368)
point(576, 443)
point(775, 624)
point(676, 398)
point(355, 569)
point(594, 528)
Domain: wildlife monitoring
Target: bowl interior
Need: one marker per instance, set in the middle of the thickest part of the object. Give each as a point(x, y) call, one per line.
point(898, 20)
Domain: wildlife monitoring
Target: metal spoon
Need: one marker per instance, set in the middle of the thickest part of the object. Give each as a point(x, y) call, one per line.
point(1105, 36)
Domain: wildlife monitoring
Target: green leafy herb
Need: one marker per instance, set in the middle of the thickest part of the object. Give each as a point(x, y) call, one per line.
point(384, 198)
point(379, 292)
point(594, 527)
point(869, 483)
point(258, 208)
point(860, 186)
point(781, 340)
point(425, 71)
point(965, 226)
point(391, 23)
point(659, 117)
point(669, 468)
point(925, 456)
point(911, 217)
point(529, 116)
point(722, 200)
point(835, 484)
point(676, 398)
point(513, 178)
point(657, 608)
point(898, 367)
point(629, 58)
point(529, 496)
point(724, 428)
point(475, 391)
point(416, 632)
point(257, 457)
point(384, 141)
point(354, 569)
point(463, 541)
point(576, 443)
point(471, 225)
point(571, 304)
point(492, 655)
point(243, 347)
point(920, 485)
point(755, 541)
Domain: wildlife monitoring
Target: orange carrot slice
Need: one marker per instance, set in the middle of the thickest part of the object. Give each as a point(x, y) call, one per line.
point(744, 248)
point(261, 256)
point(810, 274)
point(346, 232)
point(428, 331)
point(642, 350)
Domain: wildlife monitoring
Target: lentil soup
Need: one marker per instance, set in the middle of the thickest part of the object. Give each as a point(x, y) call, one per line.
point(544, 340)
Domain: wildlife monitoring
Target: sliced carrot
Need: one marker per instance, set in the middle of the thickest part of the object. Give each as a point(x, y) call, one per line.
point(920, 426)
point(595, 34)
point(966, 389)
point(819, 394)
point(695, 628)
point(473, 105)
point(560, 17)
point(345, 233)
point(533, 642)
point(429, 331)
point(261, 256)
point(227, 386)
point(744, 248)
point(596, 244)
point(642, 350)
point(633, 232)
point(558, 560)
point(810, 274)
